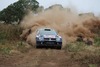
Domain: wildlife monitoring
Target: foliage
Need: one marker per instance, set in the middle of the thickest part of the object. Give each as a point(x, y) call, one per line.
point(92, 65)
point(75, 47)
point(5, 50)
point(9, 32)
point(10, 39)
point(17, 10)
point(97, 41)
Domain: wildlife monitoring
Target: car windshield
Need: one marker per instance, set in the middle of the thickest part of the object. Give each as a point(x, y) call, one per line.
point(48, 33)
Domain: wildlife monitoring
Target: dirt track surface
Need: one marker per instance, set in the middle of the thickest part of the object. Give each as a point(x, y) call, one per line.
point(41, 58)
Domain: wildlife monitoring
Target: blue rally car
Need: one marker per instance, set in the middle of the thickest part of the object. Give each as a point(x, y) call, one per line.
point(47, 37)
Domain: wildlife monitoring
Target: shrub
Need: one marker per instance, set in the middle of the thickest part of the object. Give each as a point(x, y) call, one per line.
point(75, 47)
point(97, 41)
point(9, 32)
point(5, 50)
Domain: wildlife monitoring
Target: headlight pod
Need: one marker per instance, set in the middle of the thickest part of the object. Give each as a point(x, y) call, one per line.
point(58, 39)
point(41, 38)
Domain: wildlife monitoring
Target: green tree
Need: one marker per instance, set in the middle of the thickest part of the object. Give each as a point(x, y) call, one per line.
point(17, 10)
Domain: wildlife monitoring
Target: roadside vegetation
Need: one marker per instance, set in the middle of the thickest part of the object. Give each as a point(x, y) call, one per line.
point(10, 39)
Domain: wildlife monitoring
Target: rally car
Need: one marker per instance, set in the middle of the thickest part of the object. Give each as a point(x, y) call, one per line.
point(47, 37)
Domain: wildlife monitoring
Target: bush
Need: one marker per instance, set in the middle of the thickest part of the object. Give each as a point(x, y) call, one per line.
point(5, 50)
point(9, 32)
point(97, 41)
point(75, 47)
point(92, 65)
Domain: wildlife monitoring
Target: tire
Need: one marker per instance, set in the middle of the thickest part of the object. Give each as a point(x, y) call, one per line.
point(37, 46)
point(59, 47)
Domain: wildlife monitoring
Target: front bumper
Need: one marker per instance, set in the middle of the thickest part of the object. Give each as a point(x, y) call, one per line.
point(51, 44)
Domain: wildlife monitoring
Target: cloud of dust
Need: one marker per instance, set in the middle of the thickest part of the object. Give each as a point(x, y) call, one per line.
point(67, 23)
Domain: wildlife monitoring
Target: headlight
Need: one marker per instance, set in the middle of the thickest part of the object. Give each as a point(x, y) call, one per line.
point(41, 38)
point(58, 39)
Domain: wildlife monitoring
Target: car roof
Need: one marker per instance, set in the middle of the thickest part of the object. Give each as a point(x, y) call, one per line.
point(49, 30)
point(45, 29)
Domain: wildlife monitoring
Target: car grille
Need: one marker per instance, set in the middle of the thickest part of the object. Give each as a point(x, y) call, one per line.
point(47, 39)
point(53, 38)
point(50, 43)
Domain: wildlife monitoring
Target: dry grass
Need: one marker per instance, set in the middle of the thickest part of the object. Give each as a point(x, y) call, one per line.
point(10, 39)
point(9, 32)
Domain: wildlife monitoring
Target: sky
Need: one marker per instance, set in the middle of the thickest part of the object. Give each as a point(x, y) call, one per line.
point(5, 3)
point(79, 5)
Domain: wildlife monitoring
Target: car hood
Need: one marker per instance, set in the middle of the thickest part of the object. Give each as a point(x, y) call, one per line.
point(49, 36)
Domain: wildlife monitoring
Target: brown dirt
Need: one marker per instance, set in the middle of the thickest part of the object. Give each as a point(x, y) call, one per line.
point(45, 58)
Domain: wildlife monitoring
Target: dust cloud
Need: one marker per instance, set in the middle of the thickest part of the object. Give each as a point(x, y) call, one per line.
point(66, 22)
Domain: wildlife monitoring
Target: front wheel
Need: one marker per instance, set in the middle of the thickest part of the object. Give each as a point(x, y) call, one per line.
point(59, 47)
point(37, 46)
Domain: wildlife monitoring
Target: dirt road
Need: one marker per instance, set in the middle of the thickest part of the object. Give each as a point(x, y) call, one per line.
point(42, 58)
